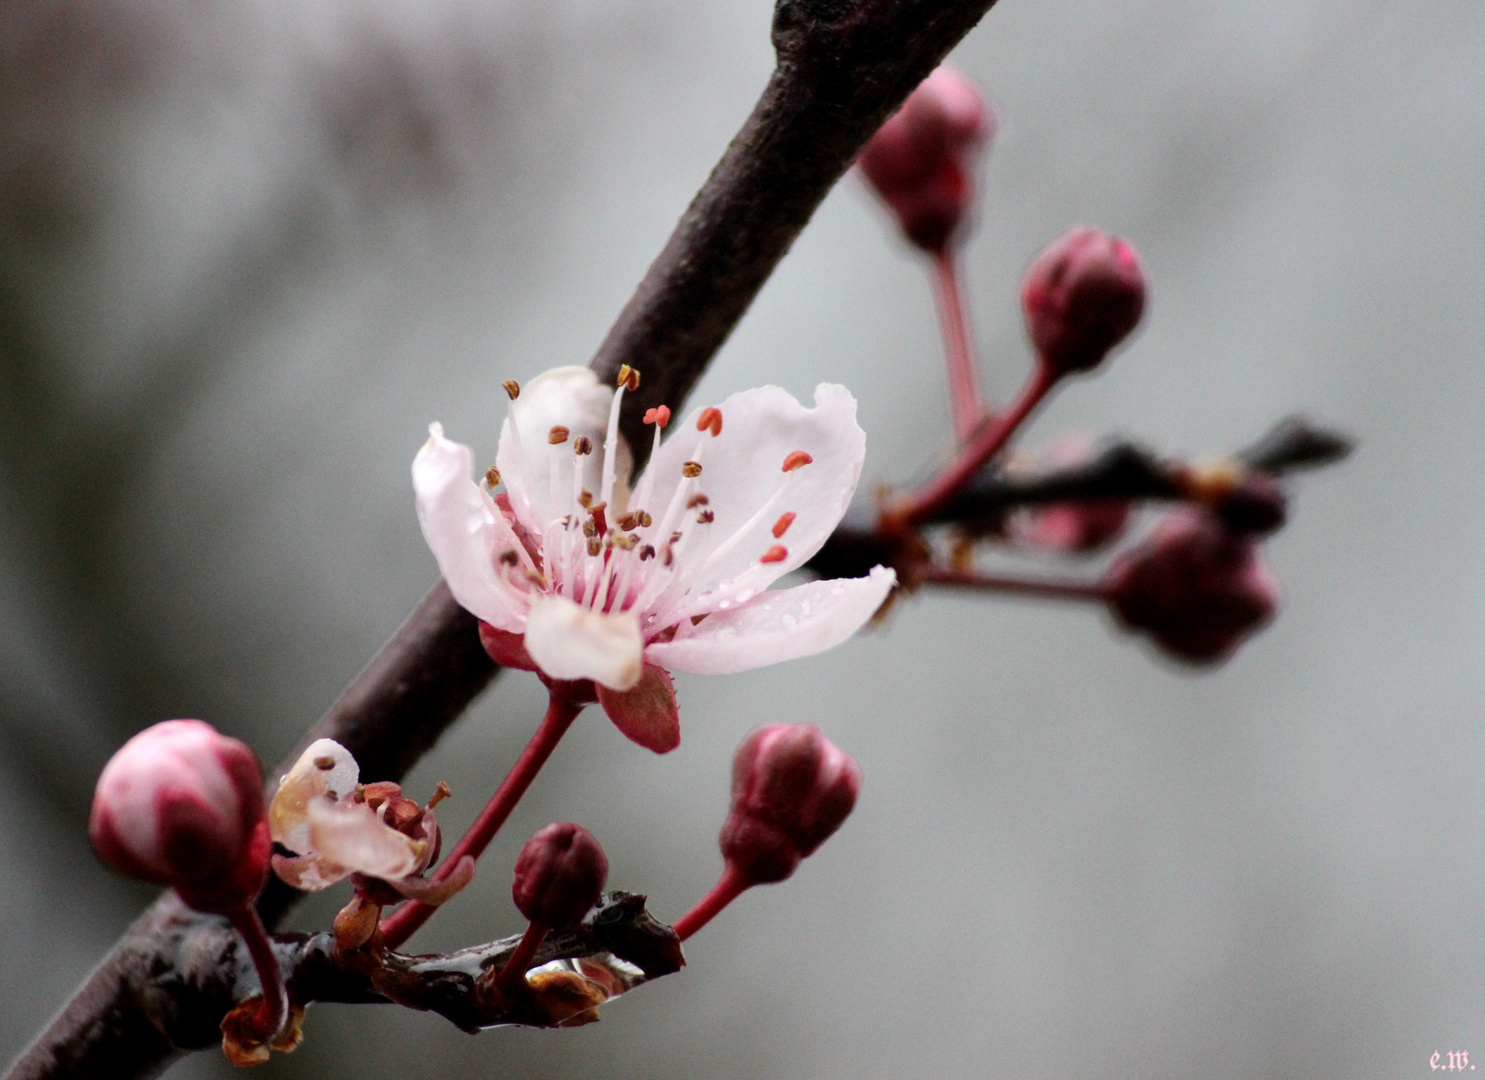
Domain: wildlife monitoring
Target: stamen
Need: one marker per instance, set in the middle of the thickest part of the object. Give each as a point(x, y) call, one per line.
point(628, 378)
point(706, 517)
point(611, 437)
point(325, 763)
point(512, 388)
point(781, 526)
point(585, 500)
point(777, 553)
point(710, 420)
point(558, 435)
point(625, 541)
point(796, 459)
point(492, 477)
point(628, 521)
point(440, 793)
point(659, 416)
point(691, 469)
point(646, 552)
point(594, 548)
point(509, 558)
point(645, 521)
point(582, 446)
point(668, 556)
point(696, 500)
point(590, 529)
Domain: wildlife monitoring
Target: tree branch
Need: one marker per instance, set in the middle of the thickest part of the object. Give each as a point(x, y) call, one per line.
point(843, 67)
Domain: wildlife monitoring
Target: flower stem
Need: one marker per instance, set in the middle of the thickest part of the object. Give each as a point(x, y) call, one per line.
point(728, 888)
point(561, 712)
point(1003, 583)
point(514, 972)
point(928, 500)
point(275, 1006)
point(965, 404)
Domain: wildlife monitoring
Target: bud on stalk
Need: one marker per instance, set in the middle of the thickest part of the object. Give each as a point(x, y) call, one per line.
point(791, 789)
point(559, 876)
point(1081, 296)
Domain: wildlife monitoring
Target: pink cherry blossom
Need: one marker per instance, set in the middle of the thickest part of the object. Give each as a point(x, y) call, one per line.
point(582, 577)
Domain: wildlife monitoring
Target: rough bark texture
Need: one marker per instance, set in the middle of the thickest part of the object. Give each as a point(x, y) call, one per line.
point(843, 67)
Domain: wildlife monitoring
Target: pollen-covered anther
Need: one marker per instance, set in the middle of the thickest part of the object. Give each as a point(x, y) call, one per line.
point(645, 521)
point(625, 541)
point(628, 378)
point(660, 415)
point(585, 500)
point(777, 553)
point(590, 529)
point(628, 521)
point(691, 469)
point(440, 793)
point(781, 526)
point(710, 420)
point(582, 445)
point(646, 552)
point(512, 388)
point(492, 477)
point(796, 459)
point(706, 517)
point(558, 435)
point(595, 548)
point(509, 558)
point(696, 500)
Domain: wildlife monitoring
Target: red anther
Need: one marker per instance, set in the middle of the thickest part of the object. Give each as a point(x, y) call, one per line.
point(1196, 587)
point(558, 435)
point(1082, 296)
point(710, 420)
point(660, 415)
point(777, 553)
point(706, 517)
point(559, 876)
point(696, 500)
point(781, 526)
point(790, 790)
point(922, 160)
point(795, 460)
point(181, 804)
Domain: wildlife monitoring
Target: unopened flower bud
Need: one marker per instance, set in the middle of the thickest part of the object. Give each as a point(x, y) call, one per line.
point(1195, 586)
point(922, 160)
point(181, 804)
point(1082, 296)
point(560, 874)
point(791, 788)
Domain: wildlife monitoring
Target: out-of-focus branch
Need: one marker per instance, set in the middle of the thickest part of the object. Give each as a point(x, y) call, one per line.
point(843, 67)
point(1121, 469)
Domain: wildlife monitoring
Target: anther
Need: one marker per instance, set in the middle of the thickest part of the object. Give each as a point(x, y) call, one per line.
point(645, 521)
point(325, 763)
point(509, 558)
point(512, 388)
point(777, 553)
point(710, 420)
point(691, 469)
point(646, 552)
point(590, 529)
point(659, 415)
point(628, 521)
point(675, 537)
point(492, 476)
point(781, 526)
point(558, 435)
point(706, 517)
point(696, 500)
point(440, 793)
point(582, 445)
point(668, 556)
point(595, 547)
point(628, 378)
point(536, 579)
point(585, 500)
point(625, 541)
point(796, 459)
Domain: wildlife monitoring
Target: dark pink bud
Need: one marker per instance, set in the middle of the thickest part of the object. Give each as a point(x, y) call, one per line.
point(790, 790)
point(1082, 296)
point(182, 804)
point(560, 874)
point(922, 160)
point(1197, 588)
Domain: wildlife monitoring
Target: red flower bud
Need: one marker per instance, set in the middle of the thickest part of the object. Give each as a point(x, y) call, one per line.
point(921, 161)
point(1197, 588)
point(560, 874)
point(790, 790)
point(1082, 296)
point(181, 804)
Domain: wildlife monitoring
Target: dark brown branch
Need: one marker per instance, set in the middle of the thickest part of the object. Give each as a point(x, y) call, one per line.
point(1121, 469)
point(843, 66)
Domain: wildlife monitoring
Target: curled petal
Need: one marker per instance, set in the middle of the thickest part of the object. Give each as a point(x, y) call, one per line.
point(466, 532)
point(308, 873)
point(351, 834)
point(568, 641)
point(506, 649)
point(324, 772)
point(776, 626)
point(434, 893)
point(647, 713)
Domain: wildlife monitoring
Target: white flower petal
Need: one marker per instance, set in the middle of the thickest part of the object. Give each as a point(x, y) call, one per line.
point(781, 625)
point(570, 642)
point(309, 781)
point(742, 477)
point(538, 474)
point(466, 532)
point(351, 834)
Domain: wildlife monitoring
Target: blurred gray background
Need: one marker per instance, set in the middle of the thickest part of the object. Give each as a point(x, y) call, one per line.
point(250, 248)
